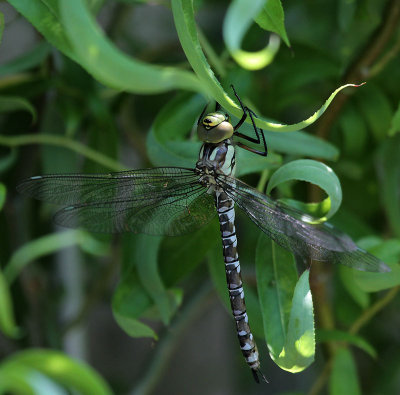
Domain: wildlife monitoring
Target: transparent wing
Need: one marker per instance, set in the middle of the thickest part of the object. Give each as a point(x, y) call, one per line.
point(289, 228)
point(158, 201)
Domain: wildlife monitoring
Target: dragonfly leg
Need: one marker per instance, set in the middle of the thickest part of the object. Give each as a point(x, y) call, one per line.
point(259, 132)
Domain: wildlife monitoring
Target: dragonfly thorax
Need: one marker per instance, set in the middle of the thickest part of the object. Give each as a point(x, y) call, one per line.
point(216, 159)
point(215, 127)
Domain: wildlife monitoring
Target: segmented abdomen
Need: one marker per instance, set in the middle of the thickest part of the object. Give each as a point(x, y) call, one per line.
point(226, 214)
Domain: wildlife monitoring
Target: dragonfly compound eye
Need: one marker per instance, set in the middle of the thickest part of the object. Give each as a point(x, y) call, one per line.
point(214, 128)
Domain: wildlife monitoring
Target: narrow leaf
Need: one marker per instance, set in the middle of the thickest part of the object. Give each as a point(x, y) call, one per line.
point(341, 336)
point(237, 21)
point(389, 252)
point(3, 193)
point(276, 281)
point(146, 254)
point(100, 57)
point(63, 369)
point(186, 27)
point(130, 301)
point(26, 61)
point(16, 103)
point(299, 349)
point(49, 244)
point(344, 378)
point(272, 18)
point(395, 124)
point(8, 325)
point(311, 171)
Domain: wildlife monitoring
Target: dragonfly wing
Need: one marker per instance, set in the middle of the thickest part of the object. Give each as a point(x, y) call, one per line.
point(159, 201)
point(291, 229)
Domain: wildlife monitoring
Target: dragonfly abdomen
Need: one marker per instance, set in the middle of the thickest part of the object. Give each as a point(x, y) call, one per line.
point(226, 215)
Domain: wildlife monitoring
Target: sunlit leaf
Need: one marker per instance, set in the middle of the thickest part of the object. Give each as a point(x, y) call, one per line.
point(63, 369)
point(237, 21)
point(276, 281)
point(298, 352)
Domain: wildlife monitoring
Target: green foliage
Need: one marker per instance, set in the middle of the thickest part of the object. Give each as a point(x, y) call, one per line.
point(106, 87)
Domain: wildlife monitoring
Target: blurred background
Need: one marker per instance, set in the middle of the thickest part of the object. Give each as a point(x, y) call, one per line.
point(83, 294)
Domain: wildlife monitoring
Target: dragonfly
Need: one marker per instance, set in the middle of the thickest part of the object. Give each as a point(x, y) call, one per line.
point(174, 201)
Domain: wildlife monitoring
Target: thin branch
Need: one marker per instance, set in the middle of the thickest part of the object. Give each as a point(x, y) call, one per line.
point(61, 141)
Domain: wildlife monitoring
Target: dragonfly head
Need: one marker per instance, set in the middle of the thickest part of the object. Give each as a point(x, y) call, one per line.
point(215, 127)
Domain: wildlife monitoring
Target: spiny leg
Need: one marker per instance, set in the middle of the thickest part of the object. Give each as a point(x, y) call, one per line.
point(258, 132)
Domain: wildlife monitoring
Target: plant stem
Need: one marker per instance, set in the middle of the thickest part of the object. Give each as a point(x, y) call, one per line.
point(372, 310)
point(61, 141)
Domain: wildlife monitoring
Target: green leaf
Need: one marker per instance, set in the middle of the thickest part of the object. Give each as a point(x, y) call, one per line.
point(237, 21)
point(272, 18)
point(298, 352)
point(7, 320)
point(186, 27)
point(311, 171)
point(344, 378)
point(293, 143)
point(26, 61)
point(146, 254)
point(17, 379)
point(61, 368)
point(130, 301)
point(388, 166)
point(167, 143)
point(301, 144)
point(389, 252)
point(334, 335)
point(359, 296)
point(276, 280)
point(9, 160)
point(49, 244)
point(45, 17)
point(101, 58)
point(181, 255)
point(3, 193)
point(395, 123)
point(16, 103)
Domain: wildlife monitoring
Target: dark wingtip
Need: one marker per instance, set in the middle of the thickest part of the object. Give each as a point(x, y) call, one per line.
point(257, 372)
